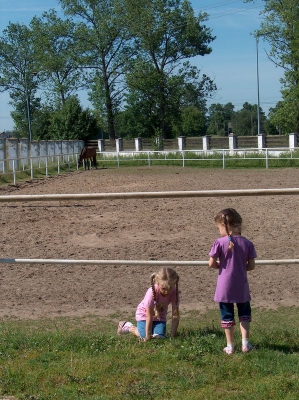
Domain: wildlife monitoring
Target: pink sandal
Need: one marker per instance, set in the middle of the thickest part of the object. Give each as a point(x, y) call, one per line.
point(228, 350)
point(248, 348)
point(123, 328)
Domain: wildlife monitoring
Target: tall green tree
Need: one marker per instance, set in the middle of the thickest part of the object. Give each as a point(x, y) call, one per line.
point(245, 121)
point(219, 117)
point(57, 54)
point(167, 34)
point(280, 28)
point(282, 117)
point(18, 68)
point(107, 51)
point(72, 122)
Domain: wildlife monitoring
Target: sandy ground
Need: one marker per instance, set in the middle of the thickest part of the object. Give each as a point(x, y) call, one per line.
point(153, 229)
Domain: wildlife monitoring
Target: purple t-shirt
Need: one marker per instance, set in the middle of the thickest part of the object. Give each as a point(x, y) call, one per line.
point(232, 284)
point(162, 304)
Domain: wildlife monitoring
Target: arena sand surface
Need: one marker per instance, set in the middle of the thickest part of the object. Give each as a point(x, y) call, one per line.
point(148, 229)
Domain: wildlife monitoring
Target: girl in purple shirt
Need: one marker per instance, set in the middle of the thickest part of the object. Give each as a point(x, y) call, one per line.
point(233, 255)
point(151, 312)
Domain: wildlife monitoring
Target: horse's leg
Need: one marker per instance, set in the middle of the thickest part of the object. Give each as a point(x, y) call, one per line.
point(95, 160)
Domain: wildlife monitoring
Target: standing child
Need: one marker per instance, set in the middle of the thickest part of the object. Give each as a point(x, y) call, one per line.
point(152, 311)
point(236, 256)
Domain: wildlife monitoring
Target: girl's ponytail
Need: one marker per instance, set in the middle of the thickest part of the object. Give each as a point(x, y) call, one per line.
point(230, 218)
point(176, 313)
point(231, 243)
point(156, 312)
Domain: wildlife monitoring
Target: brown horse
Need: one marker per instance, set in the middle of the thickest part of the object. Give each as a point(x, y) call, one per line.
point(87, 153)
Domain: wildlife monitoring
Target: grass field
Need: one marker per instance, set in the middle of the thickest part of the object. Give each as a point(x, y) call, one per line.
point(85, 359)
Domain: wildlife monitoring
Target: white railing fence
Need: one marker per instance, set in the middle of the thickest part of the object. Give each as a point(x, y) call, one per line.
point(41, 163)
point(185, 157)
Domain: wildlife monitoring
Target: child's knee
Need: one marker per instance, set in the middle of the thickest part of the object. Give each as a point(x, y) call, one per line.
point(245, 318)
point(228, 324)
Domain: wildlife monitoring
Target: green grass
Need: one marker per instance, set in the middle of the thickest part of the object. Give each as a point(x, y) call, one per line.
point(22, 176)
point(85, 359)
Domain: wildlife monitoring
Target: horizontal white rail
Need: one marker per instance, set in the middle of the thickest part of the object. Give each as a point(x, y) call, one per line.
point(150, 195)
point(131, 262)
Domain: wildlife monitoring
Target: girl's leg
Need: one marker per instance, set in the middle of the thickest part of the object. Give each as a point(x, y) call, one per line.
point(244, 312)
point(159, 329)
point(228, 323)
point(244, 327)
point(229, 334)
point(134, 331)
point(139, 331)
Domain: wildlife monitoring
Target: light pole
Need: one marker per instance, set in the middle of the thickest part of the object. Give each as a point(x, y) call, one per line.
point(28, 110)
point(258, 87)
point(28, 103)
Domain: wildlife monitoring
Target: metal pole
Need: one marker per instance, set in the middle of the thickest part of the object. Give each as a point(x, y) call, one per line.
point(258, 87)
point(149, 195)
point(131, 262)
point(28, 110)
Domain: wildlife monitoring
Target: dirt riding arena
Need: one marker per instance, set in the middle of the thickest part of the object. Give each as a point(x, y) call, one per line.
point(152, 229)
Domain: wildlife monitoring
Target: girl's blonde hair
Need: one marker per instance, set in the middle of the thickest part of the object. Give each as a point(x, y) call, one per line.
point(168, 278)
point(230, 218)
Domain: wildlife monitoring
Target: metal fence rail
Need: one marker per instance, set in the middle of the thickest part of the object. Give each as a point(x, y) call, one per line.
point(149, 195)
point(131, 262)
point(31, 164)
point(201, 156)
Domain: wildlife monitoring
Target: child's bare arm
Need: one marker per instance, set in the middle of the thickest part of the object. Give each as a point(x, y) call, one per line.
point(250, 264)
point(149, 323)
point(175, 321)
point(213, 263)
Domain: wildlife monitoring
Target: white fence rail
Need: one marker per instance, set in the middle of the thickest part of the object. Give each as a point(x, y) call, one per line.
point(141, 195)
point(37, 163)
point(149, 195)
point(130, 262)
point(202, 156)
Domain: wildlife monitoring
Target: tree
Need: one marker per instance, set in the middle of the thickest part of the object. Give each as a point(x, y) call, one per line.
point(282, 117)
point(280, 28)
point(71, 122)
point(20, 113)
point(18, 73)
point(193, 122)
point(57, 54)
point(244, 121)
point(219, 116)
point(107, 52)
point(161, 81)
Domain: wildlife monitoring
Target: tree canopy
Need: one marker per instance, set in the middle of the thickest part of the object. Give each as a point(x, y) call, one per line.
point(280, 28)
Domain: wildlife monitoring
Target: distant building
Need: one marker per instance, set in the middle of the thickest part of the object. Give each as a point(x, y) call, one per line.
point(6, 135)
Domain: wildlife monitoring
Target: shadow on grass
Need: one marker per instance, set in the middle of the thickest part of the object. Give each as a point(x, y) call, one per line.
point(283, 348)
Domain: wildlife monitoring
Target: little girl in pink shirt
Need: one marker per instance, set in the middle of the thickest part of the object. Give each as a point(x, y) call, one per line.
point(151, 312)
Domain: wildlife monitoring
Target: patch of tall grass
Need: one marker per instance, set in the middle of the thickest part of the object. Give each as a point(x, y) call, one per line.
point(85, 359)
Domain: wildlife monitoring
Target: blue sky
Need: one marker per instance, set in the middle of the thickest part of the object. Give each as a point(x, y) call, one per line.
point(232, 63)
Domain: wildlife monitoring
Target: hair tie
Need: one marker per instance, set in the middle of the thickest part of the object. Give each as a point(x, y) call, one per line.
point(231, 243)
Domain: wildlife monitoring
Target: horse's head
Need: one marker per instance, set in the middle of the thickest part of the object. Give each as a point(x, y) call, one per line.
point(79, 162)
